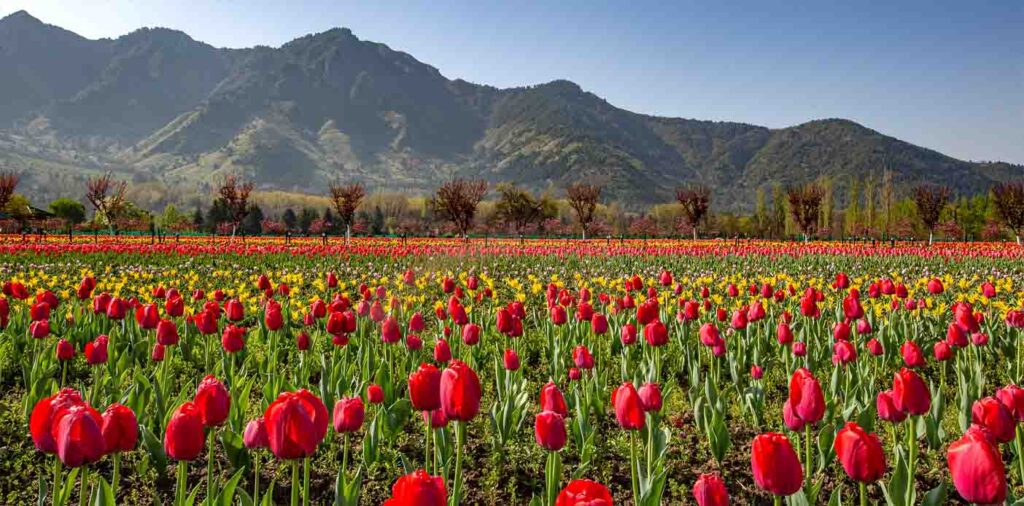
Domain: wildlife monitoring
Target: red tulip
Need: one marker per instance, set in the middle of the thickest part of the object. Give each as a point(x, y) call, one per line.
point(348, 414)
point(629, 411)
point(442, 352)
point(709, 490)
point(655, 333)
point(120, 428)
point(255, 435)
point(425, 388)
point(39, 311)
point(806, 396)
point(1012, 396)
point(912, 355)
point(157, 355)
point(272, 317)
point(988, 412)
point(460, 392)
point(551, 399)
point(65, 351)
point(41, 421)
point(860, 453)
point(885, 404)
point(549, 430)
point(40, 329)
point(783, 334)
point(874, 347)
point(841, 331)
point(418, 489)
point(628, 335)
point(77, 434)
point(650, 397)
point(510, 360)
point(296, 423)
point(756, 372)
point(233, 339)
point(935, 286)
point(147, 316)
point(584, 493)
point(374, 394)
point(599, 324)
point(976, 467)
point(96, 351)
point(471, 334)
point(213, 402)
point(910, 394)
point(790, 419)
point(843, 353)
point(183, 439)
point(775, 465)
point(558, 316)
point(390, 332)
point(167, 332)
point(941, 351)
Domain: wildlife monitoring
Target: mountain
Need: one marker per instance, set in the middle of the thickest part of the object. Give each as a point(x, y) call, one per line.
point(167, 111)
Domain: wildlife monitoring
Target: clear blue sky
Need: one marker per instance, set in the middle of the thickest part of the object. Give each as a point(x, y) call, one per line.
point(945, 75)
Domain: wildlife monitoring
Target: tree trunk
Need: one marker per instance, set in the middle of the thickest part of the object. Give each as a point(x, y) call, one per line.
point(348, 232)
point(694, 233)
point(1018, 239)
point(930, 237)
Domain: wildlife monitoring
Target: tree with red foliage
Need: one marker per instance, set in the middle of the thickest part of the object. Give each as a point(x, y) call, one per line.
point(804, 206)
point(583, 199)
point(1009, 201)
point(106, 195)
point(457, 199)
point(8, 182)
point(696, 200)
point(930, 201)
point(346, 198)
point(234, 192)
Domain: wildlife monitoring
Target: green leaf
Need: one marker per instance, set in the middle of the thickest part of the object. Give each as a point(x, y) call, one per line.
point(935, 496)
point(104, 494)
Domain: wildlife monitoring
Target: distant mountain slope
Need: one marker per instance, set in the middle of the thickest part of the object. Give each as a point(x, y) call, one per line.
point(157, 106)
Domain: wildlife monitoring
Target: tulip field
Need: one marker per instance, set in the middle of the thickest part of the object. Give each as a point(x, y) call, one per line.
point(496, 371)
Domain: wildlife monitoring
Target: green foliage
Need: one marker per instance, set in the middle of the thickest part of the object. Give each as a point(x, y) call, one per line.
point(69, 210)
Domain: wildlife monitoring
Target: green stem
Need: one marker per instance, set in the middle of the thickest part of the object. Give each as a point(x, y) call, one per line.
point(460, 441)
point(777, 500)
point(912, 458)
point(295, 483)
point(57, 489)
point(83, 492)
point(807, 453)
point(209, 468)
point(1019, 442)
point(182, 475)
point(426, 442)
point(863, 494)
point(634, 468)
point(256, 478)
point(115, 478)
point(305, 482)
point(553, 472)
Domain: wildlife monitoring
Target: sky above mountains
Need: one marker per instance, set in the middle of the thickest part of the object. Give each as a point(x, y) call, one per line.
point(946, 75)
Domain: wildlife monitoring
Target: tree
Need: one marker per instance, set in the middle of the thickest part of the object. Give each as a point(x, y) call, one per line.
point(888, 196)
point(695, 200)
point(290, 220)
point(804, 205)
point(518, 208)
point(234, 192)
point(306, 218)
point(346, 198)
point(106, 195)
point(69, 210)
point(197, 218)
point(456, 201)
point(583, 199)
point(778, 212)
point(760, 212)
point(171, 218)
point(8, 182)
point(252, 224)
point(1009, 202)
point(930, 201)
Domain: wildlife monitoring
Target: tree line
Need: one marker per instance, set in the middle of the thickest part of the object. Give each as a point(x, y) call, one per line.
point(463, 207)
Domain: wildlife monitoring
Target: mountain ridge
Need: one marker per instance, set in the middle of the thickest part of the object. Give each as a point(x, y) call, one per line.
point(157, 106)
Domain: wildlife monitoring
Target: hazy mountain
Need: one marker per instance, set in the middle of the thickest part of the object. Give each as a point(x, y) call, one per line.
point(156, 105)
